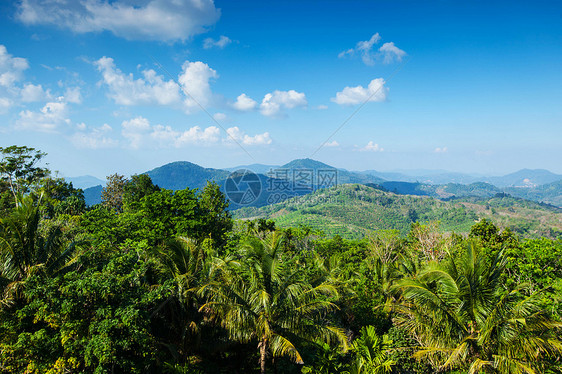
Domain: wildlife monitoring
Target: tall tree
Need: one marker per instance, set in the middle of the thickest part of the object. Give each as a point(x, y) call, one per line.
point(264, 298)
point(25, 250)
point(463, 317)
point(214, 208)
point(19, 169)
point(112, 193)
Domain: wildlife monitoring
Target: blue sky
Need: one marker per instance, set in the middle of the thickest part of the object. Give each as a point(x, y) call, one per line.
point(125, 86)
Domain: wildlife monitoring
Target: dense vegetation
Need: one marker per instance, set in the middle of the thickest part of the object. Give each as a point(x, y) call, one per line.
point(154, 280)
point(352, 211)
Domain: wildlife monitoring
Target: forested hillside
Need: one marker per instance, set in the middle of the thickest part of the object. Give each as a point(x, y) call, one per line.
point(353, 211)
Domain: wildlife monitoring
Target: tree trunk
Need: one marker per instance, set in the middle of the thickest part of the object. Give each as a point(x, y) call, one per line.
point(263, 353)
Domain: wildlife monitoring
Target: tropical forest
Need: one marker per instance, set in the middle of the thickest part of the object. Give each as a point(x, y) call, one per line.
point(153, 280)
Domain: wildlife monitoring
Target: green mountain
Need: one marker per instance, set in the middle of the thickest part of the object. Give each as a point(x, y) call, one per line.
point(355, 210)
point(182, 174)
point(343, 176)
point(525, 178)
point(550, 193)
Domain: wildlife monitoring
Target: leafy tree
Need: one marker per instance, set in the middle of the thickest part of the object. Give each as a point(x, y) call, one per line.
point(264, 298)
point(24, 250)
point(18, 168)
point(214, 208)
point(463, 317)
point(371, 353)
point(138, 187)
point(94, 319)
point(112, 193)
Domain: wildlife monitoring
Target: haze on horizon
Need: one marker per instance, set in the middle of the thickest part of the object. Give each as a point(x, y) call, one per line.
point(467, 87)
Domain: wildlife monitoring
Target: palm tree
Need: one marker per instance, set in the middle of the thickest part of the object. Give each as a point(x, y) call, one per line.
point(371, 353)
point(183, 260)
point(25, 250)
point(264, 297)
point(463, 317)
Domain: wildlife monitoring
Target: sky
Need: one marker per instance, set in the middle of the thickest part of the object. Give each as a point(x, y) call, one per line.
point(125, 86)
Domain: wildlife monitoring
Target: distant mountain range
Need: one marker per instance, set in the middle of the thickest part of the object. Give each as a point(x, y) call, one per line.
point(303, 176)
point(85, 181)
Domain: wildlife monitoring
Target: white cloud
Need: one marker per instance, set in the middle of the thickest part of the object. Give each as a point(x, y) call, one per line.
point(11, 68)
point(47, 119)
point(195, 82)
point(440, 150)
point(222, 42)
point(376, 91)
point(391, 53)
point(239, 136)
point(220, 117)
point(332, 144)
point(140, 133)
point(73, 95)
point(372, 147)
point(31, 93)
point(97, 138)
point(365, 49)
point(165, 20)
point(273, 103)
point(322, 107)
point(125, 90)
point(244, 103)
point(388, 52)
point(134, 130)
point(166, 137)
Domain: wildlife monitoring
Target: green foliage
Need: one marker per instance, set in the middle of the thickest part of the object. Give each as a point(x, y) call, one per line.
point(18, 168)
point(95, 319)
point(112, 193)
point(464, 318)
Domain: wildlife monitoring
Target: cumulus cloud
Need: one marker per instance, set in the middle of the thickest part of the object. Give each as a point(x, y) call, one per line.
point(391, 53)
point(195, 81)
point(239, 136)
point(440, 150)
point(372, 147)
point(47, 119)
point(273, 103)
point(244, 103)
point(153, 89)
point(140, 133)
point(387, 53)
point(376, 91)
point(96, 138)
point(11, 68)
point(31, 93)
point(124, 89)
point(135, 130)
point(73, 95)
point(222, 42)
point(164, 20)
point(11, 72)
point(332, 144)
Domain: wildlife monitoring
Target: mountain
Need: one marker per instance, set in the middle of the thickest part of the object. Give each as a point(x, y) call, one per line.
point(550, 193)
point(84, 181)
point(92, 195)
point(424, 176)
point(524, 178)
point(256, 168)
point(342, 176)
point(355, 210)
point(182, 174)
